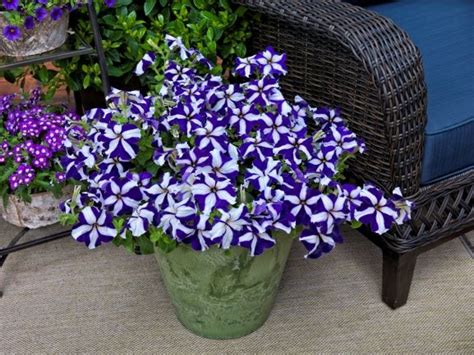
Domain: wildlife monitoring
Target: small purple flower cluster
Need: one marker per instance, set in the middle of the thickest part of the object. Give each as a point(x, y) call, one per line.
point(29, 13)
point(33, 138)
point(233, 163)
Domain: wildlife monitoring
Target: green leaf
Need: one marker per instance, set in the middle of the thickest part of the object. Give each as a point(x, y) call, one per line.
point(149, 6)
point(146, 246)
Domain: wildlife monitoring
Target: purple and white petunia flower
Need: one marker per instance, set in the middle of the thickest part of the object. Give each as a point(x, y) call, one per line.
point(329, 211)
point(318, 242)
point(211, 192)
point(256, 239)
point(122, 196)
point(263, 173)
point(147, 61)
point(223, 166)
point(303, 201)
point(260, 91)
point(160, 191)
point(228, 97)
point(228, 227)
point(141, 219)
point(174, 217)
point(245, 67)
point(211, 136)
point(243, 118)
point(256, 147)
point(375, 210)
point(271, 63)
point(94, 227)
point(121, 141)
point(324, 162)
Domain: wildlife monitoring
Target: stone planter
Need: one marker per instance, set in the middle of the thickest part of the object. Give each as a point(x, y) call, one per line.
point(41, 212)
point(44, 37)
point(223, 295)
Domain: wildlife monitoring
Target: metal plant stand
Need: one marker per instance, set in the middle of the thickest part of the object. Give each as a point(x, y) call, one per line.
point(66, 51)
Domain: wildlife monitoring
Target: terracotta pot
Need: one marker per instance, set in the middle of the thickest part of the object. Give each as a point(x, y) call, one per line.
point(222, 294)
point(41, 212)
point(44, 37)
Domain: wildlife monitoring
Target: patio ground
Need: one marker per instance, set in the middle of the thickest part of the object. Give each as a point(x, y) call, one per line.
point(62, 298)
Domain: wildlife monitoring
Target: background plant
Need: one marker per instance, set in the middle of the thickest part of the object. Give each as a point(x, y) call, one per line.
point(32, 139)
point(132, 28)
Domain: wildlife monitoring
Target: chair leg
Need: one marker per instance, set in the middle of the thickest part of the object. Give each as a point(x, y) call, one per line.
point(397, 275)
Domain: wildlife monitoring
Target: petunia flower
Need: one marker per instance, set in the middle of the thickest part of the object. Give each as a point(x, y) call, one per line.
point(173, 219)
point(220, 165)
point(56, 13)
point(228, 226)
point(275, 126)
point(143, 65)
point(121, 141)
point(329, 211)
point(122, 196)
point(324, 162)
point(375, 210)
point(292, 146)
point(404, 206)
point(245, 67)
point(318, 242)
point(263, 173)
point(41, 14)
point(212, 192)
point(256, 239)
point(211, 136)
point(256, 147)
point(243, 118)
point(176, 44)
point(259, 91)
point(227, 97)
point(141, 219)
point(325, 118)
point(198, 239)
point(161, 190)
point(94, 227)
point(303, 201)
point(271, 63)
point(342, 139)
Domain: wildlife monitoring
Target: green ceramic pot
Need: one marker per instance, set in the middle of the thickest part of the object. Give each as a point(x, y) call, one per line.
point(223, 295)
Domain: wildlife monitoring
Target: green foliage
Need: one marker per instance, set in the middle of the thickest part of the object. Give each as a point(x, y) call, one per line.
point(132, 28)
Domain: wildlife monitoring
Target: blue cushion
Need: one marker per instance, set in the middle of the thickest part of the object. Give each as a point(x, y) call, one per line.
point(444, 32)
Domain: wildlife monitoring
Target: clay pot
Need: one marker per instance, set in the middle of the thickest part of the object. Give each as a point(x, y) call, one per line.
point(44, 37)
point(41, 212)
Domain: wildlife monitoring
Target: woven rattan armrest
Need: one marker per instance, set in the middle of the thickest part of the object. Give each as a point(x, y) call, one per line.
point(343, 55)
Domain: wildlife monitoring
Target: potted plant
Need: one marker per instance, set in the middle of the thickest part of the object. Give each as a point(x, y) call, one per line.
point(30, 27)
point(217, 179)
point(32, 139)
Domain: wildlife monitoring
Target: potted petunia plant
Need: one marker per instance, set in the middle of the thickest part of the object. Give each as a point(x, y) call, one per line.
point(217, 179)
point(30, 27)
point(32, 182)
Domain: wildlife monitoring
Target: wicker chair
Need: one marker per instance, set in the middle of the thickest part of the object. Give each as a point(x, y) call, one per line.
point(343, 55)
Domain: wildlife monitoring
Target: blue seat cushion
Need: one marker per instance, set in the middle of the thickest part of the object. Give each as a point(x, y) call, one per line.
point(444, 33)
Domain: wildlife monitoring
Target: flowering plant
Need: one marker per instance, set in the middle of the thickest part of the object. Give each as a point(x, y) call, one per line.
point(214, 163)
point(27, 13)
point(31, 141)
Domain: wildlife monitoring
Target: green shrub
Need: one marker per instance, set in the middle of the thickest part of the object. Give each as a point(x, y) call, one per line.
point(130, 29)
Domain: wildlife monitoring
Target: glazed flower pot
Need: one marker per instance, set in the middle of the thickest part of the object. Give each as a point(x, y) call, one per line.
point(44, 37)
point(41, 212)
point(222, 294)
